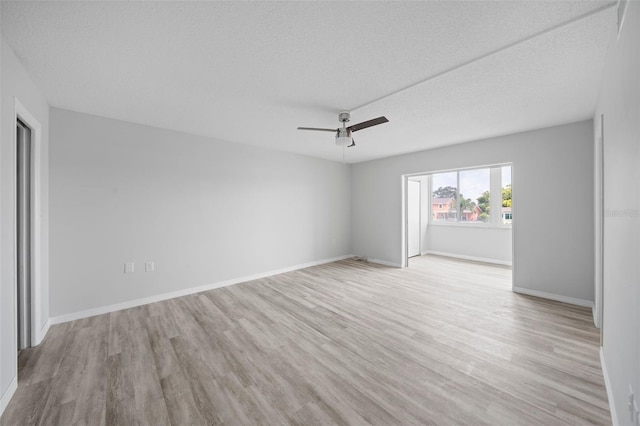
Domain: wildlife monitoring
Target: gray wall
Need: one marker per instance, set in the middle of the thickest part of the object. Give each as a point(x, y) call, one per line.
point(552, 172)
point(203, 210)
point(485, 244)
point(17, 84)
point(620, 103)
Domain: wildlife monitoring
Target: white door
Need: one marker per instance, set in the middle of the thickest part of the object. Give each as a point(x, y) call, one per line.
point(413, 218)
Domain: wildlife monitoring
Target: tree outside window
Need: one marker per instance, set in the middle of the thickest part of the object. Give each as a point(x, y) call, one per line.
point(465, 196)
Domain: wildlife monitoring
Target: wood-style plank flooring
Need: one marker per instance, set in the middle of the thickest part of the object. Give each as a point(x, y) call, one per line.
point(442, 342)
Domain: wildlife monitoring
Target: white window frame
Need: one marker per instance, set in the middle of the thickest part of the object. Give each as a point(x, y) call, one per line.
point(495, 187)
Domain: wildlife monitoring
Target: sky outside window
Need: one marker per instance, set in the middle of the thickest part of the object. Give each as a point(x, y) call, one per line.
point(474, 182)
point(506, 176)
point(441, 180)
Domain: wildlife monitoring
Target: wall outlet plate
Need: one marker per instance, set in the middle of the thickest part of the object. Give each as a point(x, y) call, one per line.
point(129, 267)
point(149, 266)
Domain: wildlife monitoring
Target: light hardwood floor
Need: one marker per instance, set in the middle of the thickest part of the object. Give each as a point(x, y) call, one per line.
point(442, 342)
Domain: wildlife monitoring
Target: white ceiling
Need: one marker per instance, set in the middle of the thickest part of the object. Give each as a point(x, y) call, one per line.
point(251, 72)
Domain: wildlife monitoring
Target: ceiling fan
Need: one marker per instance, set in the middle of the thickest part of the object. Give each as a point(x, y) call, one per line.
point(343, 134)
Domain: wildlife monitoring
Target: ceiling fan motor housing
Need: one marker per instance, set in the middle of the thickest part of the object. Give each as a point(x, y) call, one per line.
point(344, 116)
point(343, 137)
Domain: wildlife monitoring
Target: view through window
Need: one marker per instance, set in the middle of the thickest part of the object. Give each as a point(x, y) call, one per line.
point(474, 195)
point(444, 197)
point(465, 196)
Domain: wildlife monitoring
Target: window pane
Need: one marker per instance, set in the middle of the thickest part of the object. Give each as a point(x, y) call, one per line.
point(474, 195)
point(445, 191)
point(507, 215)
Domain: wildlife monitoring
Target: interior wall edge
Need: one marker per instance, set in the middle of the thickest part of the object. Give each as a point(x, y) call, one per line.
point(42, 333)
point(555, 297)
point(619, 103)
point(607, 385)
point(17, 85)
point(471, 258)
point(8, 394)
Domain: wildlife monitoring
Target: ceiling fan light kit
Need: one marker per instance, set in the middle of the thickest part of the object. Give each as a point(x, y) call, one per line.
point(343, 134)
point(343, 138)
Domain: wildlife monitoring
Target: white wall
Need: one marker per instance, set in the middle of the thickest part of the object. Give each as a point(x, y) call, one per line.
point(551, 254)
point(17, 84)
point(472, 242)
point(203, 210)
point(619, 101)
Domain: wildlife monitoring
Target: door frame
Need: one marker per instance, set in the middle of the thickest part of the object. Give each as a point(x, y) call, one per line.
point(37, 330)
point(598, 314)
point(419, 216)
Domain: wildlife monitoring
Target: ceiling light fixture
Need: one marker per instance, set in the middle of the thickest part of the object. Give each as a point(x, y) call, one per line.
point(343, 134)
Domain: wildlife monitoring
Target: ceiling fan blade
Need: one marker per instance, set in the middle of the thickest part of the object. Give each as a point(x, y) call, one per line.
point(369, 123)
point(353, 143)
point(318, 129)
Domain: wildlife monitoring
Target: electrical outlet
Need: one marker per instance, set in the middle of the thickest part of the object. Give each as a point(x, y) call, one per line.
point(149, 266)
point(129, 267)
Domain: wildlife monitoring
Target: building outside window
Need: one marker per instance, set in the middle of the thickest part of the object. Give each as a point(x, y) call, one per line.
point(465, 196)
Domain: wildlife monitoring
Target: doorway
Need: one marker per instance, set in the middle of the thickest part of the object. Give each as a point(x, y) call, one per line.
point(463, 213)
point(23, 232)
point(414, 214)
point(30, 305)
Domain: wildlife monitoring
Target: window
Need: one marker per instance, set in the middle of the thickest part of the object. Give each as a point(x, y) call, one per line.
point(464, 196)
point(444, 195)
point(474, 195)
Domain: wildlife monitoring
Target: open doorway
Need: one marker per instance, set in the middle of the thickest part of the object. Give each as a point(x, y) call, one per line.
point(464, 214)
point(27, 236)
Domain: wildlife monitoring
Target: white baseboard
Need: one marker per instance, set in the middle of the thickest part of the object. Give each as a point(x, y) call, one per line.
point(6, 397)
point(165, 296)
point(42, 333)
point(472, 258)
point(607, 385)
point(384, 262)
point(556, 297)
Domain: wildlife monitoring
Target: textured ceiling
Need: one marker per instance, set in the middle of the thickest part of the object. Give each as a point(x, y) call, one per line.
point(251, 72)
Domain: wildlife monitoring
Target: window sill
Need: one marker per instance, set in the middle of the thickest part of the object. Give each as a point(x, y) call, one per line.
point(469, 225)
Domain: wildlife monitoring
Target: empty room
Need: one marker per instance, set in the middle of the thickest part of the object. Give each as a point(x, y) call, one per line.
point(323, 212)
